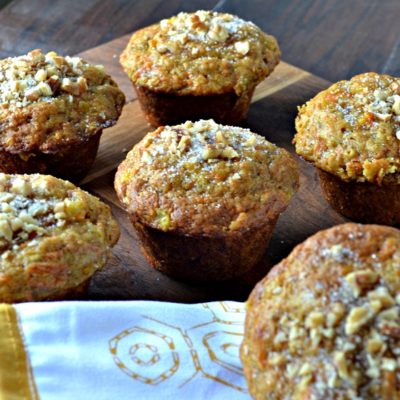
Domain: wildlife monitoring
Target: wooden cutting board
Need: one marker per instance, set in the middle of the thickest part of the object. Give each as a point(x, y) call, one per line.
point(127, 274)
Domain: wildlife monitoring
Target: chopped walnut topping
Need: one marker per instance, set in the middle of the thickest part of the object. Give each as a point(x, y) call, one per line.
point(5, 230)
point(210, 152)
point(389, 364)
point(391, 314)
point(276, 359)
point(218, 33)
point(277, 290)
point(41, 75)
point(356, 125)
point(146, 157)
point(184, 143)
point(250, 142)
point(396, 104)
point(357, 318)
point(203, 159)
point(336, 315)
point(25, 213)
point(306, 369)
point(242, 47)
point(229, 152)
point(315, 319)
point(220, 138)
point(35, 76)
point(382, 294)
point(341, 364)
point(359, 280)
point(375, 344)
point(186, 48)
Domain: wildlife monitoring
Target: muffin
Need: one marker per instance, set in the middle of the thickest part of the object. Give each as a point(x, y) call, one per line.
point(201, 65)
point(53, 237)
point(204, 198)
point(351, 133)
point(52, 113)
point(324, 324)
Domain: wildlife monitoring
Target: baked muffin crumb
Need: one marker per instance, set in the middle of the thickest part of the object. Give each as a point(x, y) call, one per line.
point(35, 77)
point(204, 198)
point(49, 102)
point(53, 236)
point(218, 174)
point(332, 332)
point(351, 129)
point(202, 53)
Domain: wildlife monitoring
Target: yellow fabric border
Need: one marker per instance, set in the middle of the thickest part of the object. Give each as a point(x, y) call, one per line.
point(16, 376)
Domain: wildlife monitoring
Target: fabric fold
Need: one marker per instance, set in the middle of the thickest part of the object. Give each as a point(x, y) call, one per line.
point(16, 377)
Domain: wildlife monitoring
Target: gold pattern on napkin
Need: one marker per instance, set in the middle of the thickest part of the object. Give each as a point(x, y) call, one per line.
point(138, 350)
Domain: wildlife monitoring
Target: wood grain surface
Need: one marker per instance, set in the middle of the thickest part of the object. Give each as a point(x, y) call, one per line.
point(334, 39)
point(127, 275)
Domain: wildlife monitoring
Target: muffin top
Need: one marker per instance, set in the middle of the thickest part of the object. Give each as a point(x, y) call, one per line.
point(47, 101)
point(201, 53)
point(204, 178)
point(53, 236)
point(352, 129)
point(325, 324)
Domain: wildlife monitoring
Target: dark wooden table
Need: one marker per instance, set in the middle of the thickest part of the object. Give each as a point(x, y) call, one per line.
point(334, 39)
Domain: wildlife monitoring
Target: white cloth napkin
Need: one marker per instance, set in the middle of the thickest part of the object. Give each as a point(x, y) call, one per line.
point(134, 350)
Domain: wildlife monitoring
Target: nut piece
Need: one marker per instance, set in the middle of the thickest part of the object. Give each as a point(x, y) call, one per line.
point(5, 231)
point(336, 315)
point(242, 47)
point(357, 318)
point(251, 141)
point(41, 75)
point(382, 294)
point(306, 369)
point(147, 158)
point(315, 319)
point(220, 138)
point(184, 143)
point(75, 88)
point(359, 280)
point(229, 152)
point(341, 365)
point(276, 359)
point(210, 152)
point(218, 33)
point(389, 364)
point(391, 314)
point(375, 344)
point(396, 104)
point(21, 186)
point(44, 89)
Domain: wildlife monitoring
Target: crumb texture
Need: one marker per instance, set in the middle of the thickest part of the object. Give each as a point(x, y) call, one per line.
point(48, 101)
point(325, 323)
point(205, 178)
point(352, 129)
point(53, 236)
point(201, 53)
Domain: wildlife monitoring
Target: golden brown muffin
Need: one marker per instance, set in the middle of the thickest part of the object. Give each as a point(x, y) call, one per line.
point(52, 113)
point(351, 133)
point(53, 237)
point(201, 65)
point(324, 324)
point(204, 198)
